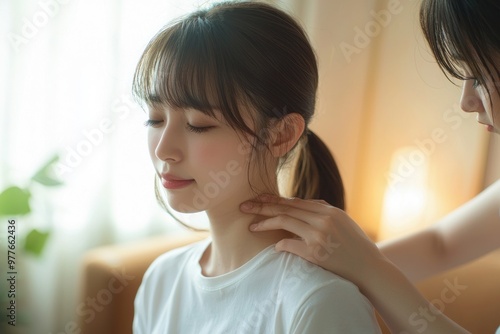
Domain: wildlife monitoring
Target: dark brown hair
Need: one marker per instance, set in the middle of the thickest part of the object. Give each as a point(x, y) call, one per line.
point(464, 31)
point(236, 55)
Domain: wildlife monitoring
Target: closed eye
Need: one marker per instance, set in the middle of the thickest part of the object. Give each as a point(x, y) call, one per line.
point(152, 122)
point(197, 129)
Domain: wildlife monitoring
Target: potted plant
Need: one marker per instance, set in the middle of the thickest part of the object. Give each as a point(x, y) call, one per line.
point(14, 203)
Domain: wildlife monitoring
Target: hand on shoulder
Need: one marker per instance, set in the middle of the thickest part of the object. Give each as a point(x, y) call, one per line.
point(326, 235)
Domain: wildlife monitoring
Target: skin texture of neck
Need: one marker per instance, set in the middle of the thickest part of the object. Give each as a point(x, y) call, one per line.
point(232, 243)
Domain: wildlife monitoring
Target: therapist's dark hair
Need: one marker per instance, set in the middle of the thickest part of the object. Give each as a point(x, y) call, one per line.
point(465, 31)
point(240, 56)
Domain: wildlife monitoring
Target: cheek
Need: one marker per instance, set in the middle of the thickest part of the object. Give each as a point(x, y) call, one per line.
point(209, 154)
point(216, 154)
point(221, 158)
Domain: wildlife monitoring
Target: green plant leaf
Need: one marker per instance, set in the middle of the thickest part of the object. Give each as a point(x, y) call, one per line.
point(35, 242)
point(14, 201)
point(45, 174)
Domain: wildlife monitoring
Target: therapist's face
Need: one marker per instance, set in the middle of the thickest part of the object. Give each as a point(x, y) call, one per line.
point(475, 98)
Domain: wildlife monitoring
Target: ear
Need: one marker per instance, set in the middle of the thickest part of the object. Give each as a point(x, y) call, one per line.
point(285, 133)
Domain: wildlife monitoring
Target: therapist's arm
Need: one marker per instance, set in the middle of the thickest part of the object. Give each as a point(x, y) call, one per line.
point(465, 234)
point(402, 307)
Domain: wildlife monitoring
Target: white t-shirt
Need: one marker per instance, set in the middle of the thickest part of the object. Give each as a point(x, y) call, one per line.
point(275, 292)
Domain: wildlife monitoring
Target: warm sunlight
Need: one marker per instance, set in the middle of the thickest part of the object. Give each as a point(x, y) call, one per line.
point(406, 197)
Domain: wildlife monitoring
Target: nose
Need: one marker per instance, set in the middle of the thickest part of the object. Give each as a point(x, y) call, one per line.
point(470, 100)
point(168, 146)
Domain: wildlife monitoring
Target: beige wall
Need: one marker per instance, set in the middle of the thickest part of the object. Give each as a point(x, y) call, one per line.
point(493, 166)
point(385, 92)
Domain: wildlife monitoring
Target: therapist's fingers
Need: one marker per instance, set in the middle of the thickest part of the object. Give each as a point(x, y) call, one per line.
point(310, 237)
point(313, 221)
point(314, 205)
point(310, 244)
point(327, 236)
point(313, 212)
point(283, 222)
point(319, 254)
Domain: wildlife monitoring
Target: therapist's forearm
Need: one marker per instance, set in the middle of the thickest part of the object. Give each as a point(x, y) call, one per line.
point(463, 235)
point(400, 304)
point(419, 255)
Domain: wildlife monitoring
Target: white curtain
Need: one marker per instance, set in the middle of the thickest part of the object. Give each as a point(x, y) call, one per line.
point(66, 69)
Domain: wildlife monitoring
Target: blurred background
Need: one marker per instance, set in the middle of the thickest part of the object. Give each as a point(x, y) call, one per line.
point(73, 146)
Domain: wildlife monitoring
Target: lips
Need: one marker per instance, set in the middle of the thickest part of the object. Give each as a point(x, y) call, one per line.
point(489, 127)
point(171, 181)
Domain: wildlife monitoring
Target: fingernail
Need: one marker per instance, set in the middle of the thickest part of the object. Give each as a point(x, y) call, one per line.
point(247, 205)
point(254, 227)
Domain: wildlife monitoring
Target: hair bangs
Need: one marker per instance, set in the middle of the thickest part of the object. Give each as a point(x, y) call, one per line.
point(443, 32)
point(173, 71)
point(183, 67)
point(457, 37)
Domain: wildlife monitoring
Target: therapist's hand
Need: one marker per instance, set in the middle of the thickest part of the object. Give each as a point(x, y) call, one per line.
point(326, 235)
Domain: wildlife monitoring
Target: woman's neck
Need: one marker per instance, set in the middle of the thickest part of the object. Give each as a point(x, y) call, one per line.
point(232, 243)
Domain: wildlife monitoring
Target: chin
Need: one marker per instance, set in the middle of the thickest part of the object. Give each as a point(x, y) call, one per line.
point(184, 207)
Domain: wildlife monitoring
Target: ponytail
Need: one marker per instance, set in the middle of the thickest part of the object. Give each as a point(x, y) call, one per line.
point(316, 175)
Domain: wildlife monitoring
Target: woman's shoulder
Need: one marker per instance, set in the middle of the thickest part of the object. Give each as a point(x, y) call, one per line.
point(493, 190)
point(307, 287)
point(307, 278)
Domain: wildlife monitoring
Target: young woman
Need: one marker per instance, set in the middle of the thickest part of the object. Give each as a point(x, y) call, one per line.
point(230, 92)
point(464, 36)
